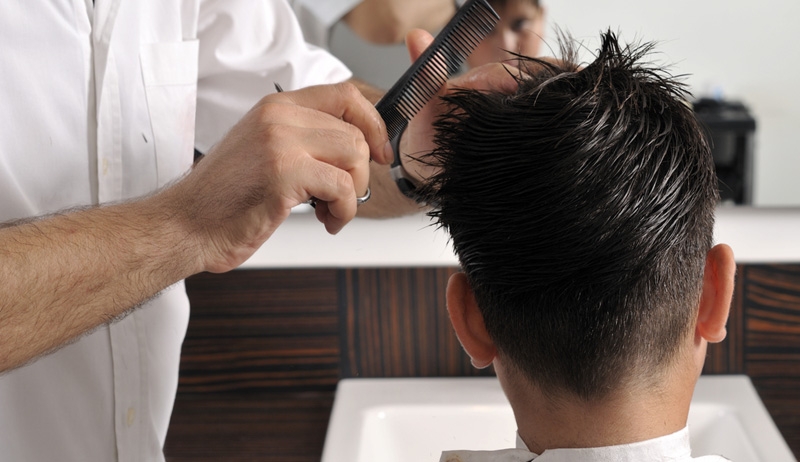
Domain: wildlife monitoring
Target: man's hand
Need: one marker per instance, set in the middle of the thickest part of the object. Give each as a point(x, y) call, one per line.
point(419, 136)
point(65, 274)
point(292, 146)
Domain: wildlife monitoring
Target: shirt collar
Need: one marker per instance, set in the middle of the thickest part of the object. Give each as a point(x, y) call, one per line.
point(669, 448)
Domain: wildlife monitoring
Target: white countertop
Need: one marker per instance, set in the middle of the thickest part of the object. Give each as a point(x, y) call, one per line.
point(757, 235)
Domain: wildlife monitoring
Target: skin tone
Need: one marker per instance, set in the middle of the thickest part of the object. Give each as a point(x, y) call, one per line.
point(419, 136)
point(388, 21)
point(637, 411)
point(490, 76)
point(520, 30)
point(66, 274)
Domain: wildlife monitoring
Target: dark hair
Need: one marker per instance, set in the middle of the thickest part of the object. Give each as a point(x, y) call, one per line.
point(581, 209)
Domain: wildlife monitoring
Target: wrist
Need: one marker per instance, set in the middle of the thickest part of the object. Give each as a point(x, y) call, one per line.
point(179, 241)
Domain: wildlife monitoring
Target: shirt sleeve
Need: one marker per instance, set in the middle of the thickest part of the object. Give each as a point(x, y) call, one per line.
point(317, 17)
point(245, 48)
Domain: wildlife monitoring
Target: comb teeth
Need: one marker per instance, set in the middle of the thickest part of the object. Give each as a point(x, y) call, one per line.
point(471, 24)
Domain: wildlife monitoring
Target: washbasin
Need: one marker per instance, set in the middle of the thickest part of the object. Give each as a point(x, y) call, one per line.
point(415, 419)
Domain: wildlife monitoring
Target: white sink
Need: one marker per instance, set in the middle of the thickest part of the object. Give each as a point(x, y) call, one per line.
point(415, 419)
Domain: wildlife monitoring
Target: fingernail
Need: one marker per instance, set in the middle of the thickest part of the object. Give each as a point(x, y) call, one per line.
point(388, 152)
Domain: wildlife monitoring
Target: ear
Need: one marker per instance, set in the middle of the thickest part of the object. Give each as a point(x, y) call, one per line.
point(468, 322)
point(715, 301)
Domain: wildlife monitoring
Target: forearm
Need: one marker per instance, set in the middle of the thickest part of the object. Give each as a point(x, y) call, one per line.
point(66, 274)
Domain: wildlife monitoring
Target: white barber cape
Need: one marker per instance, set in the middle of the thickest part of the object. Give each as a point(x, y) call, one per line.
point(100, 103)
point(669, 448)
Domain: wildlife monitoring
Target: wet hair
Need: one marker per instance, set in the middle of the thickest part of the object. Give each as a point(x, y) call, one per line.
point(581, 209)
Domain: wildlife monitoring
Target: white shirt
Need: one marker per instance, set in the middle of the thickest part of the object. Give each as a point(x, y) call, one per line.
point(669, 448)
point(99, 104)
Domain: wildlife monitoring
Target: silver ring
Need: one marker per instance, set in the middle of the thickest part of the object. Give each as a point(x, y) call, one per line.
point(364, 198)
point(359, 200)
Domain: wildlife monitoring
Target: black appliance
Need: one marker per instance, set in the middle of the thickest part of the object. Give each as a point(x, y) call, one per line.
point(730, 131)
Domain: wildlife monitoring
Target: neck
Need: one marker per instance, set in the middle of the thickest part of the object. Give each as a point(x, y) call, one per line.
point(626, 417)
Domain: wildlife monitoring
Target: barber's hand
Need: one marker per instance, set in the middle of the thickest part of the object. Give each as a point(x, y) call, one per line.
point(292, 146)
point(418, 138)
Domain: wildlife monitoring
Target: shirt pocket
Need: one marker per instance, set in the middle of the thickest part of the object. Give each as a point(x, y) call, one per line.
point(169, 71)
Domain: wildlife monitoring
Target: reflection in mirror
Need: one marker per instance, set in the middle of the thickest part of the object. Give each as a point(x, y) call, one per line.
point(730, 129)
point(732, 52)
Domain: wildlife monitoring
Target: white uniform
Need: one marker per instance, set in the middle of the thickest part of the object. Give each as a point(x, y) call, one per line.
point(99, 103)
point(668, 448)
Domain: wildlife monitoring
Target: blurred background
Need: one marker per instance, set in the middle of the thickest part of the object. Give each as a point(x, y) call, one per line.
point(743, 54)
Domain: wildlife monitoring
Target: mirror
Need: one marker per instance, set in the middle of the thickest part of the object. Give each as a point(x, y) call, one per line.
point(740, 51)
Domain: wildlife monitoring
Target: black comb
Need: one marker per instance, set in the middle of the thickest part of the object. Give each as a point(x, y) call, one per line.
point(471, 24)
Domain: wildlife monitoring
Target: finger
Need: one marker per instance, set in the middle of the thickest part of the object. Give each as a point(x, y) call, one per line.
point(333, 188)
point(332, 224)
point(417, 40)
point(344, 148)
point(344, 101)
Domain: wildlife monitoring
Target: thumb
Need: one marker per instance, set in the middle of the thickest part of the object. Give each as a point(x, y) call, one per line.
point(417, 40)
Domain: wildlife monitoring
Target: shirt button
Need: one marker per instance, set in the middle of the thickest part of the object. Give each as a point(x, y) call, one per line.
point(130, 417)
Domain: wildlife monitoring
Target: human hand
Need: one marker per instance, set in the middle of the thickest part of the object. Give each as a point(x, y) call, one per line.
point(291, 146)
point(418, 138)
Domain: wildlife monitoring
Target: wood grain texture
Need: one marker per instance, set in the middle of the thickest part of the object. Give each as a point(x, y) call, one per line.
point(772, 342)
point(265, 349)
point(395, 324)
point(727, 357)
point(269, 426)
point(262, 330)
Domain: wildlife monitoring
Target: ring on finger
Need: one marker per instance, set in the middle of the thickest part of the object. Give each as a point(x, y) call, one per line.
point(359, 200)
point(364, 198)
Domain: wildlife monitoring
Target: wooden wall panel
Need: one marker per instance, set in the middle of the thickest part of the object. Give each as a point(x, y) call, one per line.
point(274, 426)
point(727, 357)
point(265, 349)
point(395, 324)
point(772, 342)
point(262, 330)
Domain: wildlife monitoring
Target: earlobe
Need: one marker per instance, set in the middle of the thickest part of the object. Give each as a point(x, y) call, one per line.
point(715, 301)
point(468, 322)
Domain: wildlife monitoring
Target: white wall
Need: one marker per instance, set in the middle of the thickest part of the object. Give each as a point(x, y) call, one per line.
point(750, 50)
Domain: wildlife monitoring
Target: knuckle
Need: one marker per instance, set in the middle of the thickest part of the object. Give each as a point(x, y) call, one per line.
point(344, 182)
point(348, 90)
point(271, 131)
point(357, 141)
point(274, 113)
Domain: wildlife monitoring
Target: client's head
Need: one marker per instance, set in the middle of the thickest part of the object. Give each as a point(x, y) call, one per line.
point(581, 209)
